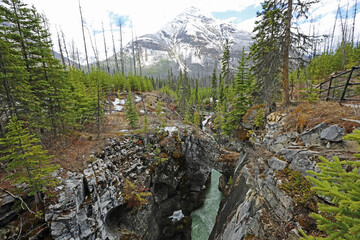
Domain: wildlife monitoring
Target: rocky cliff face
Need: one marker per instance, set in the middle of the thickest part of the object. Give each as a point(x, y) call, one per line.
point(90, 204)
point(256, 207)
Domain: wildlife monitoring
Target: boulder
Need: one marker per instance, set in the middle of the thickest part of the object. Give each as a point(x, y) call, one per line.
point(333, 133)
point(312, 137)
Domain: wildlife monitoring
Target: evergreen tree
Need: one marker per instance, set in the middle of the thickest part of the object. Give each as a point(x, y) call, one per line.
point(26, 160)
point(214, 88)
point(196, 121)
point(15, 93)
point(266, 50)
point(131, 111)
point(197, 92)
point(225, 65)
point(274, 38)
point(340, 220)
point(160, 113)
point(242, 101)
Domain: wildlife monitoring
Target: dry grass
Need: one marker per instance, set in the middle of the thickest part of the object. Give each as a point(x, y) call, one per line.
point(72, 151)
point(307, 115)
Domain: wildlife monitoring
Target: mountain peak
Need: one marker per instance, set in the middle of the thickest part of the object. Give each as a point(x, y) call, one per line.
point(191, 11)
point(192, 41)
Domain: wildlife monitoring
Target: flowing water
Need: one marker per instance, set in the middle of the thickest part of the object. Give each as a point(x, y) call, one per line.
point(203, 219)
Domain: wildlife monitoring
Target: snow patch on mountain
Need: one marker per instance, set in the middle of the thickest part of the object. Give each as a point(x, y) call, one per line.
point(192, 40)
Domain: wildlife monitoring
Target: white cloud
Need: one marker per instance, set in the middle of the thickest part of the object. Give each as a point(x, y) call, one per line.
point(247, 25)
point(149, 16)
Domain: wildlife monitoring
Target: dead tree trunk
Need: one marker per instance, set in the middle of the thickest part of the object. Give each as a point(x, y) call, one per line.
point(121, 51)
point(114, 49)
point(83, 33)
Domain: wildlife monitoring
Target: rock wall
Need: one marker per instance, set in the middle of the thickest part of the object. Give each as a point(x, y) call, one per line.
point(90, 204)
point(255, 207)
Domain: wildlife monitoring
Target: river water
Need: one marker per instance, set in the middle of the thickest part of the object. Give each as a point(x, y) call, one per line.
point(203, 219)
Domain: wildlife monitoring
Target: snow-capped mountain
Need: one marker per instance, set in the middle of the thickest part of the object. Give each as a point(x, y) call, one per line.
point(193, 41)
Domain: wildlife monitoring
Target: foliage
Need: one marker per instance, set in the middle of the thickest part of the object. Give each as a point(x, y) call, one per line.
point(340, 220)
point(242, 101)
point(135, 196)
point(131, 111)
point(297, 187)
point(355, 136)
point(159, 159)
point(196, 121)
point(160, 113)
point(259, 120)
point(27, 162)
point(225, 65)
point(231, 181)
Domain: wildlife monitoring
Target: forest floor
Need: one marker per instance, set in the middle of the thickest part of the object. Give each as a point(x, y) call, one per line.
point(73, 151)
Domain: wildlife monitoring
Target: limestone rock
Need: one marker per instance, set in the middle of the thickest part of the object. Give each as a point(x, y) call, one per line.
point(312, 136)
point(333, 133)
point(276, 163)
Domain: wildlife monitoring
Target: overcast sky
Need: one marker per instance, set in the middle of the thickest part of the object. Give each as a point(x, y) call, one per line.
point(148, 16)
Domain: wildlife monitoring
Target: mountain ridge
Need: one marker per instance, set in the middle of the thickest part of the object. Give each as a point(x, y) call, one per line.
point(192, 41)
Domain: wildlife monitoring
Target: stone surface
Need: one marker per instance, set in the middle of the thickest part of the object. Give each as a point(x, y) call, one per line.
point(333, 133)
point(312, 137)
point(89, 203)
point(277, 164)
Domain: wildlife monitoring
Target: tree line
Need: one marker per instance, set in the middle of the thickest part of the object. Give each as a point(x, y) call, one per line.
point(40, 99)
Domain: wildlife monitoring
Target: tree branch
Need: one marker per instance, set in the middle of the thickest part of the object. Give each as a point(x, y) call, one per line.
point(21, 200)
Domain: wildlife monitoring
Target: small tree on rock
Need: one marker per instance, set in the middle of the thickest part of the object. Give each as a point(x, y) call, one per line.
point(131, 112)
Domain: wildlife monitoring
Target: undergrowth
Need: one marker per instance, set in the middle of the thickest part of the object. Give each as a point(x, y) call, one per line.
point(308, 115)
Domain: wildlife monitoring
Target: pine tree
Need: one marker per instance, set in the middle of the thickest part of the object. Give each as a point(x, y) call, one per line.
point(225, 65)
point(214, 88)
point(273, 39)
point(15, 93)
point(28, 162)
point(266, 50)
point(242, 101)
point(340, 220)
point(131, 111)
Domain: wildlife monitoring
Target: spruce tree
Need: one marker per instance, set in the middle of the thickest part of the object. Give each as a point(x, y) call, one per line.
point(131, 111)
point(214, 88)
point(15, 93)
point(242, 101)
point(27, 162)
point(341, 218)
point(225, 65)
point(274, 42)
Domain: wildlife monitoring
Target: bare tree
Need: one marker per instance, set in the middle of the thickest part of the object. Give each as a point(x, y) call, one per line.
point(94, 48)
point(60, 50)
point(107, 65)
point(83, 33)
point(121, 51)
point(114, 49)
point(353, 27)
point(66, 51)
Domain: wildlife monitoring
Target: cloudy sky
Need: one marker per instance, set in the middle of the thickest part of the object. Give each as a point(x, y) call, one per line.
point(149, 16)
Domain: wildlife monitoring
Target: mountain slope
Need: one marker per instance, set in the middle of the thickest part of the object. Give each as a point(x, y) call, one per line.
point(193, 41)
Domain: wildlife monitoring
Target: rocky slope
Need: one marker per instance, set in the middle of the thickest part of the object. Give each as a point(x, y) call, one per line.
point(175, 165)
point(90, 204)
point(256, 206)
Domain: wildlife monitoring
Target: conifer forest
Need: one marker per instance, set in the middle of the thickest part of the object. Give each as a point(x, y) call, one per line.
point(95, 141)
